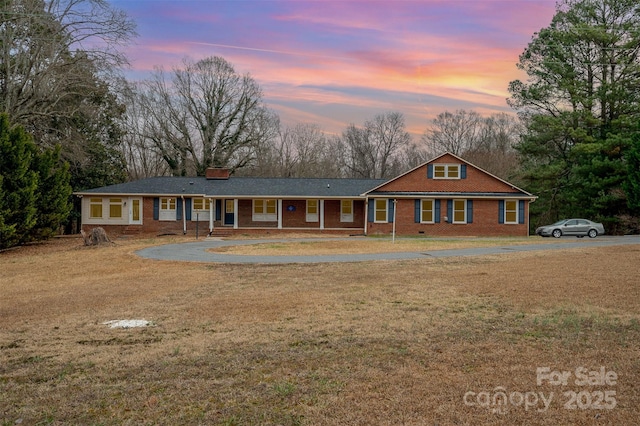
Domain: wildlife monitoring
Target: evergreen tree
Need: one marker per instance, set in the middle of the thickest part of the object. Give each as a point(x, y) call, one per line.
point(61, 88)
point(54, 192)
point(34, 188)
point(19, 184)
point(579, 100)
point(632, 181)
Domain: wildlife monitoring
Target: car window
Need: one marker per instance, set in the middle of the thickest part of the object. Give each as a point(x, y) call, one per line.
point(583, 222)
point(572, 222)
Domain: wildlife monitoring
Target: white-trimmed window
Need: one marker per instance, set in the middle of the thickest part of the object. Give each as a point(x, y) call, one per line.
point(346, 210)
point(312, 210)
point(380, 210)
point(265, 211)
point(511, 211)
point(459, 211)
point(199, 209)
point(95, 208)
point(446, 171)
point(115, 208)
point(167, 208)
point(427, 211)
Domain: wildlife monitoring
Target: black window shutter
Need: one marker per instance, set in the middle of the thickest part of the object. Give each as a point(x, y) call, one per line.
point(156, 208)
point(391, 212)
point(437, 212)
point(449, 211)
point(429, 171)
point(469, 211)
point(179, 209)
point(463, 171)
point(370, 213)
point(501, 211)
point(417, 211)
point(521, 211)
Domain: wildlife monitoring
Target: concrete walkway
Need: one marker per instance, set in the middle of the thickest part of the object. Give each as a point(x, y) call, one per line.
point(197, 251)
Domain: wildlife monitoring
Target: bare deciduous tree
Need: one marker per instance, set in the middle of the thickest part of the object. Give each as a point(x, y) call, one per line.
point(207, 115)
point(58, 60)
point(487, 142)
point(302, 150)
point(453, 132)
point(143, 160)
point(495, 148)
point(51, 52)
point(358, 158)
point(374, 151)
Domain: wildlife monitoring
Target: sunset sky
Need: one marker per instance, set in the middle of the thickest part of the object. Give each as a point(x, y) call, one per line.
point(334, 63)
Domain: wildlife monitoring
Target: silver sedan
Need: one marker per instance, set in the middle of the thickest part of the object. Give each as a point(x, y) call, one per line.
point(574, 227)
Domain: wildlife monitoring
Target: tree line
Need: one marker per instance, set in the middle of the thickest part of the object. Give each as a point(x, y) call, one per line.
point(574, 140)
point(205, 114)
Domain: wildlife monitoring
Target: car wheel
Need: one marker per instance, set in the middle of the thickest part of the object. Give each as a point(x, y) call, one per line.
point(556, 233)
point(592, 233)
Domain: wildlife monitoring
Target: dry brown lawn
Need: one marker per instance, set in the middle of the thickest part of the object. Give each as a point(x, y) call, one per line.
point(361, 245)
point(396, 342)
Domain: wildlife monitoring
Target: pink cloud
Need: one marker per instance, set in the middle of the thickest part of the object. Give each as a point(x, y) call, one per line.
point(416, 57)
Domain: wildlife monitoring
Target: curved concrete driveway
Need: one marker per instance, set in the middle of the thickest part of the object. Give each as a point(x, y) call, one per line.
point(197, 251)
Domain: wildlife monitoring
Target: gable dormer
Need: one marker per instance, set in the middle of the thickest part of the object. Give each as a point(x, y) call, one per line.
point(448, 173)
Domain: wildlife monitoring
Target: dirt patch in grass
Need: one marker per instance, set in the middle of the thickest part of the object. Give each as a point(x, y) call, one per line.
point(393, 342)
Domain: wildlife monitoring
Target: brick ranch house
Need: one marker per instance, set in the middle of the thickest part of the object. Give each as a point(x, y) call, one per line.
point(447, 196)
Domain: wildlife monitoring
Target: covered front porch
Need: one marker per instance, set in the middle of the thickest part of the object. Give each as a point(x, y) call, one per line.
point(315, 214)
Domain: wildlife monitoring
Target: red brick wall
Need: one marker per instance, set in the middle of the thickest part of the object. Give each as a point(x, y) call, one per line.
point(485, 222)
point(485, 219)
point(332, 215)
point(245, 216)
point(153, 227)
point(476, 181)
point(297, 218)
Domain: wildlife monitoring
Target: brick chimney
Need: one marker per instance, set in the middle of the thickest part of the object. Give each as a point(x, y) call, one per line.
point(217, 173)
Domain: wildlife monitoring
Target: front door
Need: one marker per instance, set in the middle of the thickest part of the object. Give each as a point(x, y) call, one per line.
point(135, 211)
point(229, 212)
point(570, 228)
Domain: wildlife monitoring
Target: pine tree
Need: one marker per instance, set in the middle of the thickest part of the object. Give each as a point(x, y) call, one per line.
point(54, 192)
point(19, 184)
point(632, 181)
point(34, 188)
point(580, 102)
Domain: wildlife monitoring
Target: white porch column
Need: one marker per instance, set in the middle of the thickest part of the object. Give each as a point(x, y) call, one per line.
point(211, 216)
point(366, 214)
point(235, 213)
point(279, 214)
point(184, 215)
point(321, 212)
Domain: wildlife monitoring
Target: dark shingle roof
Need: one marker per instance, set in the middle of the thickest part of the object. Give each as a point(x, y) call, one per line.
point(163, 185)
point(242, 187)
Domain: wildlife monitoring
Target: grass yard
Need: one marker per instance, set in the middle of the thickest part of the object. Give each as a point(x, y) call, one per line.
point(364, 245)
point(420, 342)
